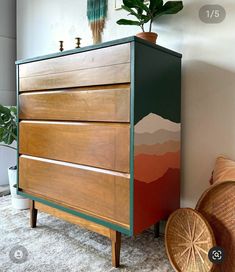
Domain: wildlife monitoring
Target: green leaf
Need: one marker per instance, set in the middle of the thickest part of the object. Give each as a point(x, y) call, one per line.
point(13, 110)
point(8, 124)
point(140, 10)
point(145, 18)
point(1, 133)
point(128, 3)
point(15, 133)
point(132, 3)
point(142, 18)
point(140, 4)
point(170, 7)
point(128, 22)
point(1, 121)
point(4, 136)
point(155, 4)
point(4, 110)
point(132, 12)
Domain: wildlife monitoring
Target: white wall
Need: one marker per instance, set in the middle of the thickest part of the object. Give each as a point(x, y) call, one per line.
point(7, 51)
point(7, 73)
point(208, 81)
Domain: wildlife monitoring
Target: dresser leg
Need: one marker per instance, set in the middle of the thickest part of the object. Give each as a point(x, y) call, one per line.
point(157, 230)
point(33, 214)
point(116, 247)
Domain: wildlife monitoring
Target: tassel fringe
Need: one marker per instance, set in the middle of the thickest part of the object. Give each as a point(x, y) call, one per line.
point(96, 13)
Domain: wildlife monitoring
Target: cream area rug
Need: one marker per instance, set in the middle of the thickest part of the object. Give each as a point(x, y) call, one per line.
point(56, 245)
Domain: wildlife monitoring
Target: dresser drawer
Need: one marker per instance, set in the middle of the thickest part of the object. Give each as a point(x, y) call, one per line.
point(95, 144)
point(108, 65)
point(101, 193)
point(110, 104)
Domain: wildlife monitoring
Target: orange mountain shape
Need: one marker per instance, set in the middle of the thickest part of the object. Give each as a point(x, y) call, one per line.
point(157, 149)
point(148, 168)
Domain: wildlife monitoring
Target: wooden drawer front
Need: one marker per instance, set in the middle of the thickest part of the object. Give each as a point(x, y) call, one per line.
point(103, 194)
point(100, 145)
point(96, 67)
point(103, 104)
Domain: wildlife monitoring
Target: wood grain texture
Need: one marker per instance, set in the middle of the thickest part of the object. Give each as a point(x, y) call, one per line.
point(84, 60)
point(95, 144)
point(119, 73)
point(98, 104)
point(33, 214)
point(104, 195)
point(74, 219)
point(116, 247)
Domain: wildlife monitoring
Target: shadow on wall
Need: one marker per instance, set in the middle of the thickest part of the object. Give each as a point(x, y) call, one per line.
point(208, 124)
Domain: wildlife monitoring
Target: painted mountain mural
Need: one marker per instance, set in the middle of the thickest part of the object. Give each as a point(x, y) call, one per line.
point(156, 167)
point(157, 147)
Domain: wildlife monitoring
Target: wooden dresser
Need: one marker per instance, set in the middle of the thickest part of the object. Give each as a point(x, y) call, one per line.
point(99, 136)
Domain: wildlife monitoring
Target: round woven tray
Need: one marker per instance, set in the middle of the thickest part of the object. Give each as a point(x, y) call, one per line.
point(188, 239)
point(217, 205)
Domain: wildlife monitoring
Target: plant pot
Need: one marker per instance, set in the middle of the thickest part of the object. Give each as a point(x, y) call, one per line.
point(148, 36)
point(18, 202)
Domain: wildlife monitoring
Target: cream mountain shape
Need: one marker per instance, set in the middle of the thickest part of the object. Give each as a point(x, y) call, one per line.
point(153, 122)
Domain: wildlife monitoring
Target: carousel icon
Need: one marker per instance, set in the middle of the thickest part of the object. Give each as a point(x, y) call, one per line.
point(18, 254)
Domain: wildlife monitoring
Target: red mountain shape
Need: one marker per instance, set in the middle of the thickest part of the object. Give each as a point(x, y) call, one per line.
point(156, 200)
point(149, 168)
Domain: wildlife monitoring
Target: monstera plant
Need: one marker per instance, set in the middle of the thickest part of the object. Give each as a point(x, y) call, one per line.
point(147, 12)
point(8, 126)
point(8, 134)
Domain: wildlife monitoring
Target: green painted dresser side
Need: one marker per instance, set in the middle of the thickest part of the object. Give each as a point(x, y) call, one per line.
point(157, 115)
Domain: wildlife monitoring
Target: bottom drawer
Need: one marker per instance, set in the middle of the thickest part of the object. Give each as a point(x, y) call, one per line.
point(100, 193)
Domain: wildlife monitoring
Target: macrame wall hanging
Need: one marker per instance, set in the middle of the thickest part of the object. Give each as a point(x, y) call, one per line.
point(96, 13)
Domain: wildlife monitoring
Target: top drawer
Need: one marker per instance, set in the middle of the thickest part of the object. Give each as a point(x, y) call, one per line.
point(107, 65)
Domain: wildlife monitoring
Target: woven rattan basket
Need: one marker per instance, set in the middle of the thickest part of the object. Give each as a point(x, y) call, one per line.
point(217, 205)
point(188, 239)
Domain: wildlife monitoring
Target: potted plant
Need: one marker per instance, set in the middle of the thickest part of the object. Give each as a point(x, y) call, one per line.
point(8, 134)
point(148, 12)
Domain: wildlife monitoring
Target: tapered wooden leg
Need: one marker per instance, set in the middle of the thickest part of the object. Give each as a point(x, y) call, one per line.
point(33, 214)
point(157, 230)
point(116, 247)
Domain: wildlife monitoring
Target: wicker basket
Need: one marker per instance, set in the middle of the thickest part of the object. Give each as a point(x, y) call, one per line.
point(188, 239)
point(217, 205)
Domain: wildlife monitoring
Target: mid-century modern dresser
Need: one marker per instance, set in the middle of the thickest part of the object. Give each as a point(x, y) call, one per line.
point(99, 136)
